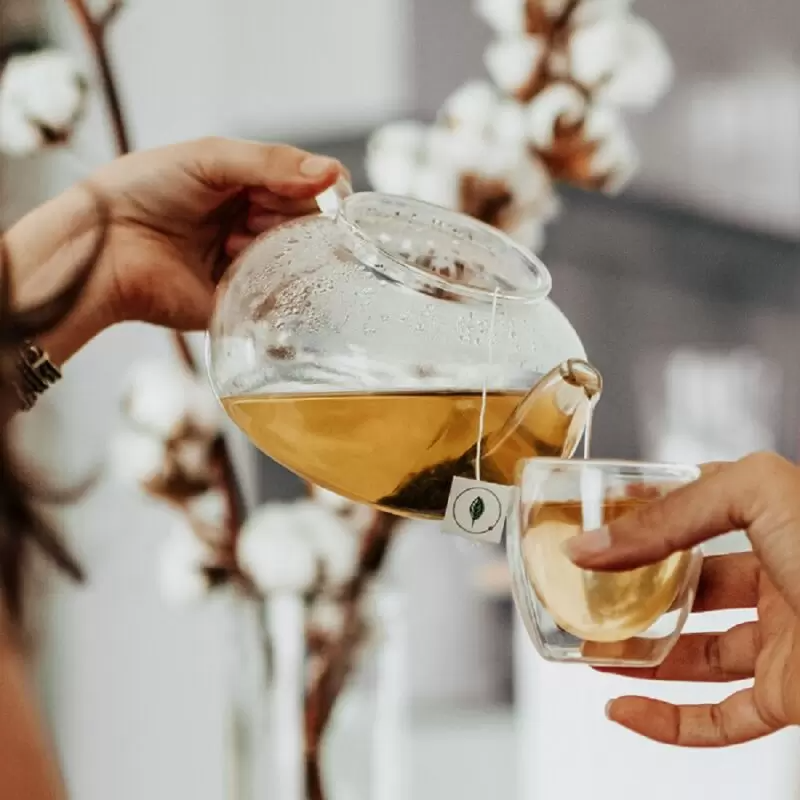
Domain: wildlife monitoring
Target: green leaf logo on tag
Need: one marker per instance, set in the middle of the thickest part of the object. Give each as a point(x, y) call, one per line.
point(477, 510)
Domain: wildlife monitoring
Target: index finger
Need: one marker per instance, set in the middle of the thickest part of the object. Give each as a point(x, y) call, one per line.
point(760, 494)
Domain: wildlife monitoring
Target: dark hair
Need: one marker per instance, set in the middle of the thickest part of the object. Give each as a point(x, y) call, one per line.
point(22, 528)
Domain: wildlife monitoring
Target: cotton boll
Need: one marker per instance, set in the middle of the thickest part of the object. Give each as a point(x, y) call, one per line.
point(617, 158)
point(616, 155)
point(390, 172)
point(135, 457)
point(527, 231)
point(472, 106)
point(405, 136)
point(499, 160)
point(204, 411)
point(159, 397)
point(42, 96)
point(275, 549)
point(589, 11)
point(335, 542)
point(327, 616)
point(504, 16)
point(19, 137)
point(508, 124)
point(594, 51)
point(554, 8)
point(436, 185)
point(467, 149)
point(192, 457)
point(559, 101)
point(644, 70)
point(209, 508)
point(331, 500)
point(533, 189)
point(183, 557)
point(513, 61)
point(602, 121)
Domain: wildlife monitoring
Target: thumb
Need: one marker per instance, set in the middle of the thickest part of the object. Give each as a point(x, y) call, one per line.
point(759, 494)
point(281, 169)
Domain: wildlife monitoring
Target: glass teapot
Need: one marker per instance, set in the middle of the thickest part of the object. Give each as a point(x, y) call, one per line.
point(384, 346)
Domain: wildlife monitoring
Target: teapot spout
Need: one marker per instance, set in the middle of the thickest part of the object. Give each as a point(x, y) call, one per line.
point(550, 420)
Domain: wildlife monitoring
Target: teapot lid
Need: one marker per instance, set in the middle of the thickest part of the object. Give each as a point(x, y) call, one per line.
point(436, 250)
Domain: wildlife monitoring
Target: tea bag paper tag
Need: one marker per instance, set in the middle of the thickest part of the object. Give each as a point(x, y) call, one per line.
point(478, 510)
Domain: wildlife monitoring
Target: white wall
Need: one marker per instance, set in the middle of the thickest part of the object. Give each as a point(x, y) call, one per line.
point(566, 747)
point(727, 137)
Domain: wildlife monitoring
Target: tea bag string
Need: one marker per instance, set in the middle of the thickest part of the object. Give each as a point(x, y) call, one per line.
point(485, 387)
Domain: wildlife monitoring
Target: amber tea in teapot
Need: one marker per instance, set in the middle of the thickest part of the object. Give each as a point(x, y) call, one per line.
point(387, 346)
point(401, 451)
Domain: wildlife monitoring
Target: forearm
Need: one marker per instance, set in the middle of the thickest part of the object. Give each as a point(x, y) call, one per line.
point(46, 250)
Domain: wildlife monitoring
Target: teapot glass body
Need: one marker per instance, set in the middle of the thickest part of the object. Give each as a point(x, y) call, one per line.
point(381, 348)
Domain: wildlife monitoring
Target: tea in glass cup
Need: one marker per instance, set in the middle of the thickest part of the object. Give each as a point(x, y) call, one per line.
point(629, 618)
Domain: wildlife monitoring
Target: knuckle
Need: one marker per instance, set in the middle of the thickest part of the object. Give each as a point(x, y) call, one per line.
point(713, 657)
point(210, 146)
point(768, 478)
point(768, 466)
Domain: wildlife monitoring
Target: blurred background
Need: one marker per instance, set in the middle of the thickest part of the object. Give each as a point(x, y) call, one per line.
point(685, 289)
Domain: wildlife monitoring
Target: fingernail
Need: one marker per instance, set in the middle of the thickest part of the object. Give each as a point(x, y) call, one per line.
point(607, 710)
point(315, 166)
point(589, 543)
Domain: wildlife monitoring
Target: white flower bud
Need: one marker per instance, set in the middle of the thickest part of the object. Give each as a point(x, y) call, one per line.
point(559, 101)
point(210, 508)
point(504, 16)
point(644, 70)
point(42, 96)
point(276, 550)
point(180, 570)
point(135, 457)
point(512, 61)
point(472, 106)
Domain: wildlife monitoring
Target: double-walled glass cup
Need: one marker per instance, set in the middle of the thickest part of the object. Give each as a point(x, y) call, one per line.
point(612, 619)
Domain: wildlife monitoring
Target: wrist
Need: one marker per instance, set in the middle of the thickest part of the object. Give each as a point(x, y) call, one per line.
point(47, 250)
